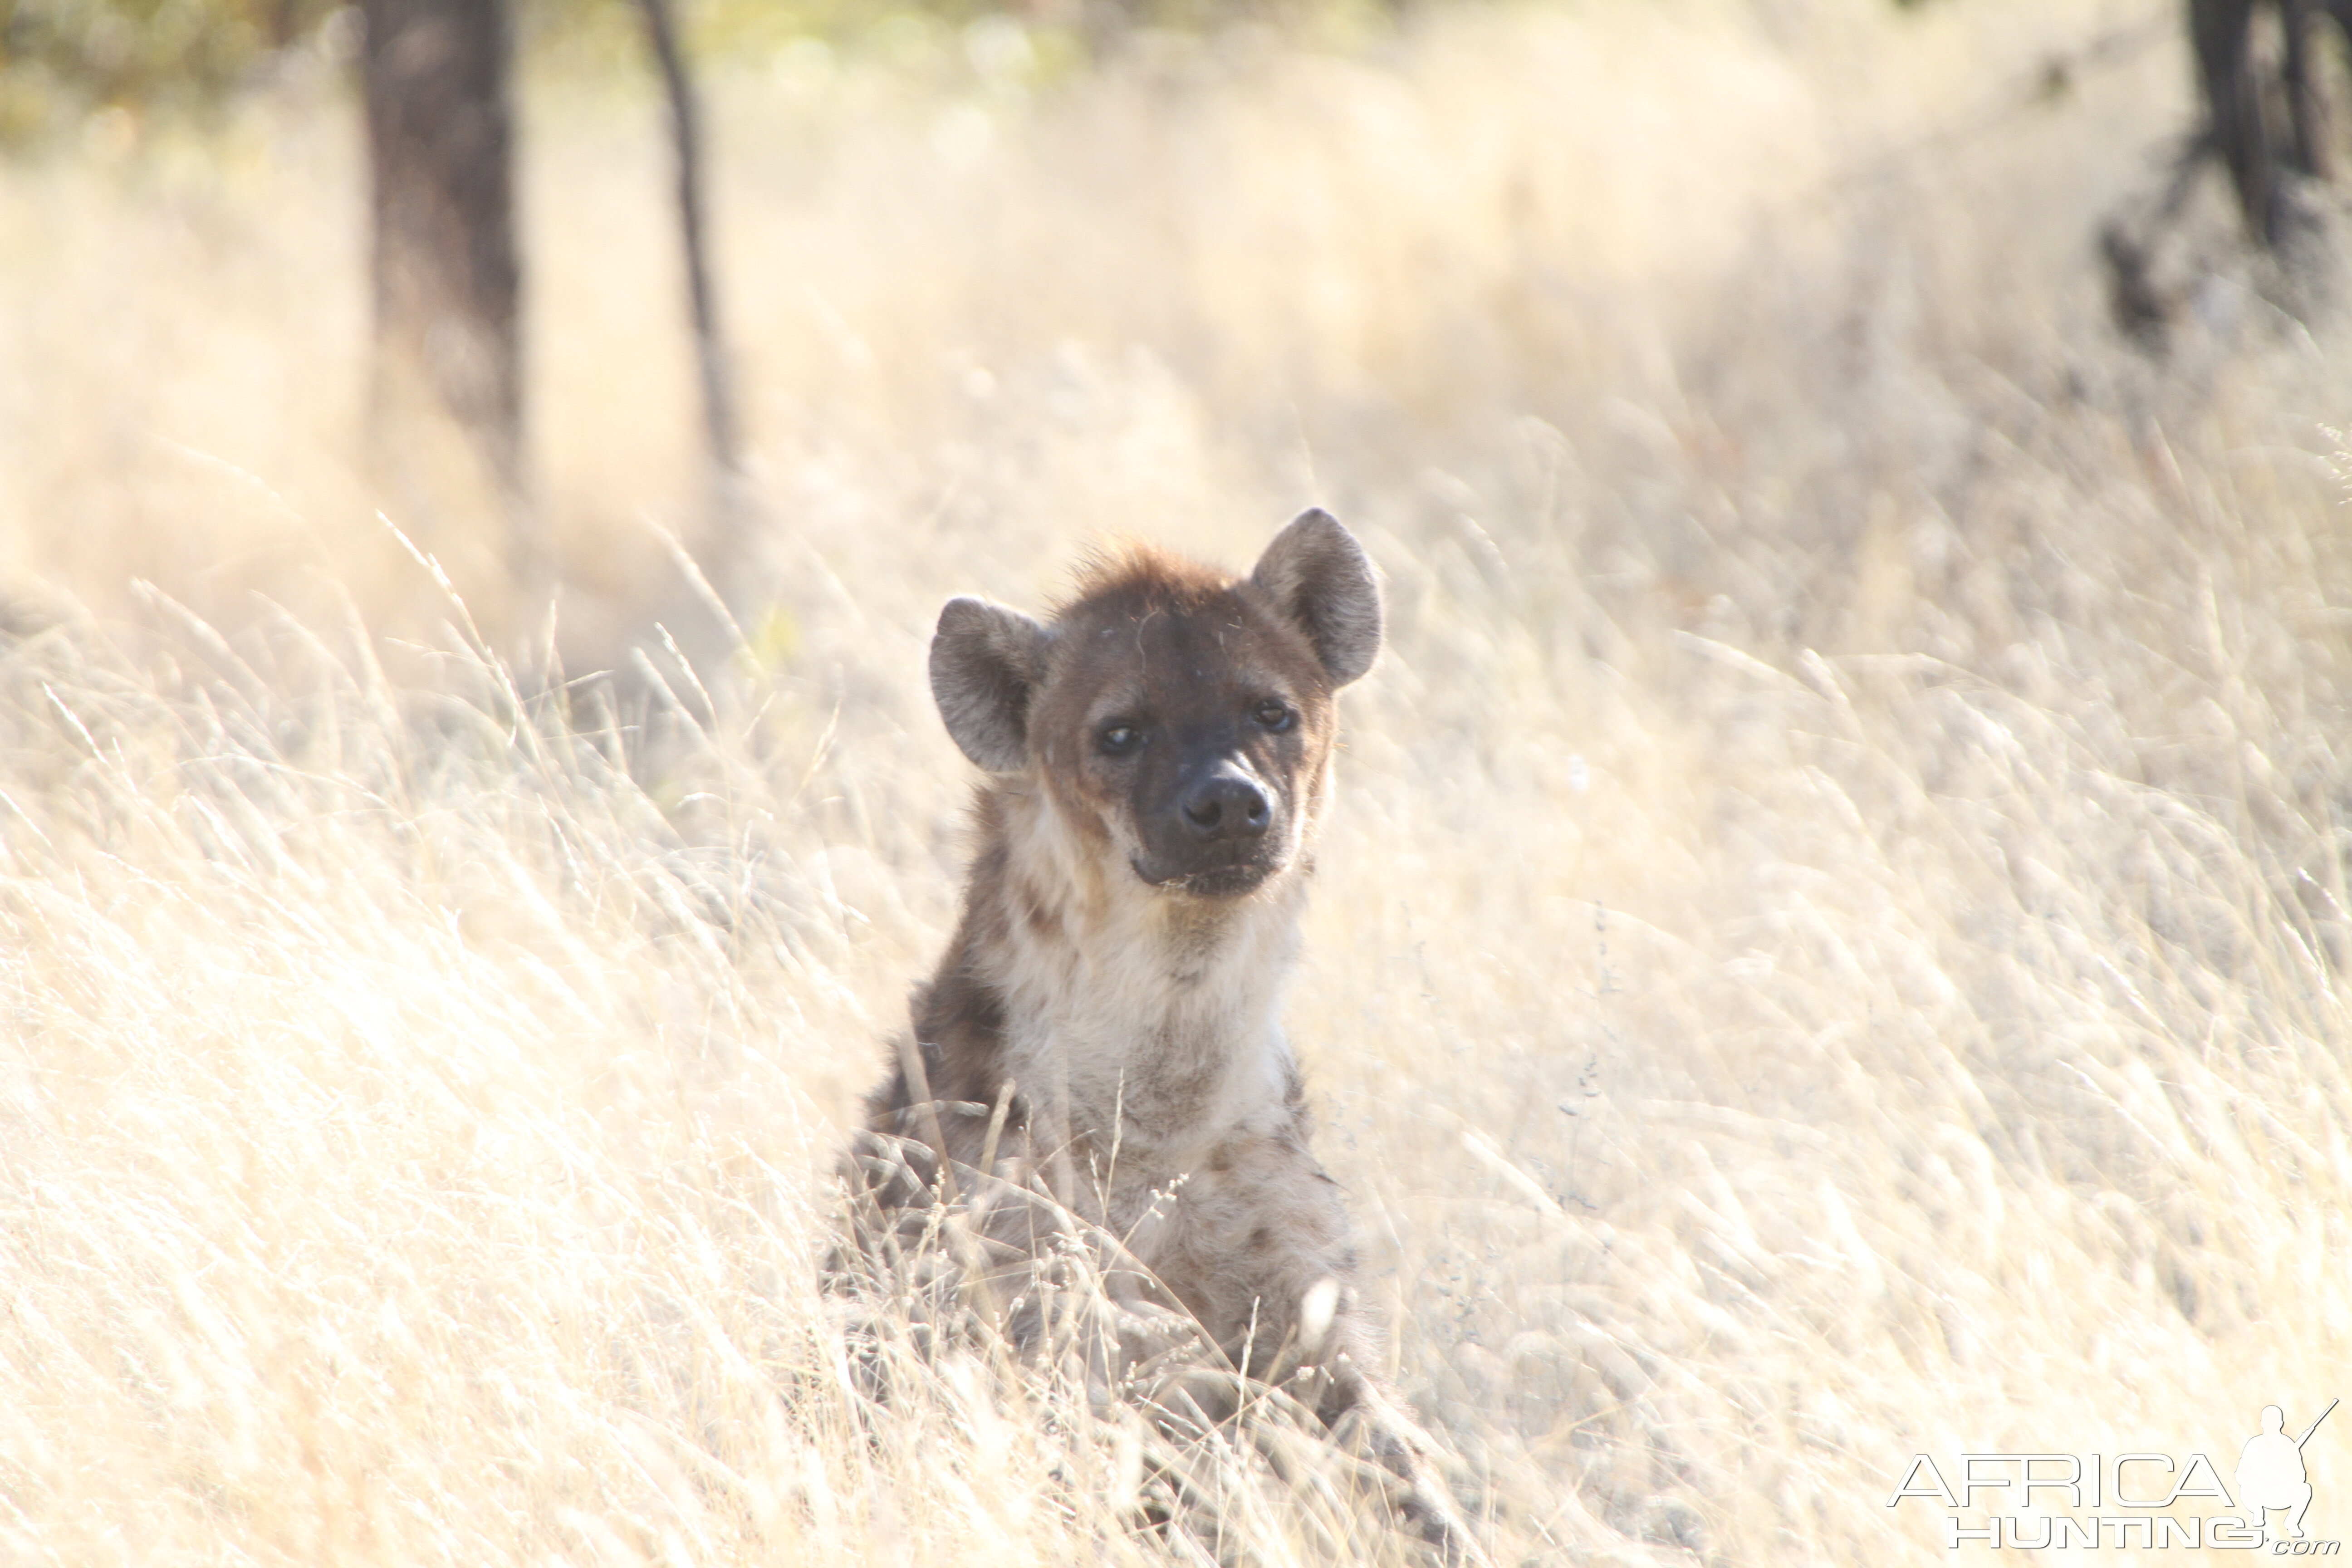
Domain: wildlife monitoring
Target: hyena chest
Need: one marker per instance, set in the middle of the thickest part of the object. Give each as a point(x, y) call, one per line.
point(1145, 1047)
point(1164, 1089)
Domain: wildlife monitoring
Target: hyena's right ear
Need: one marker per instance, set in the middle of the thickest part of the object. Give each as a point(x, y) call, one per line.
point(986, 664)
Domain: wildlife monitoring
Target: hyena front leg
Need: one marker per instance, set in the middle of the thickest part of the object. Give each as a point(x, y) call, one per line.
point(1269, 1267)
point(1358, 1410)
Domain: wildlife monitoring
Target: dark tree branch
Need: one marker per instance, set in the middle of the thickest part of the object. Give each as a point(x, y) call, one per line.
point(720, 424)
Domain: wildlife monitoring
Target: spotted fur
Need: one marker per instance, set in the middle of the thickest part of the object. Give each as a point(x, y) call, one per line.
point(1104, 1026)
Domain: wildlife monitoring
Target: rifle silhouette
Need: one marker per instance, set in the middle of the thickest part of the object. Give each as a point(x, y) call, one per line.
point(2323, 1415)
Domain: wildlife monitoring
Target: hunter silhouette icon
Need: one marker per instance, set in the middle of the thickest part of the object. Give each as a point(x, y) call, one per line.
point(2271, 1474)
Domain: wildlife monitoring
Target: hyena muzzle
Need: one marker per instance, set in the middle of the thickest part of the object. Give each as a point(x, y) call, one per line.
point(1102, 1032)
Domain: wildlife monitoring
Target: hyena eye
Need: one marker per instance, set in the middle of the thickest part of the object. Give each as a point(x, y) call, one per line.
point(1118, 740)
point(1275, 716)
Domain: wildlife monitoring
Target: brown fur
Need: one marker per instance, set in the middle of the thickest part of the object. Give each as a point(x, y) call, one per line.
point(1159, 757)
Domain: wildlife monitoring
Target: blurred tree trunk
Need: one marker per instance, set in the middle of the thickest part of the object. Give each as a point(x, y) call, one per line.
point(721, 432)
point(2310, 133)
point(2222, 34)
point(2268, 112)
point(446, 402)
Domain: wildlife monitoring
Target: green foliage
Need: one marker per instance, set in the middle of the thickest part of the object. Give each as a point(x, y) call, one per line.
point(59, 59)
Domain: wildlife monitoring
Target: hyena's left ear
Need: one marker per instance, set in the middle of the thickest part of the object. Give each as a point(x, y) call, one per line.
point(986, 664)
point(1317, 574)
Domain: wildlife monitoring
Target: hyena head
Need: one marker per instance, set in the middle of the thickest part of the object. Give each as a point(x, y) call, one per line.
point(1176, 719)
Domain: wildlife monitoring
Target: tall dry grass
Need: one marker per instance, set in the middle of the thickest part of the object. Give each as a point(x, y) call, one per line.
point(1830, 946)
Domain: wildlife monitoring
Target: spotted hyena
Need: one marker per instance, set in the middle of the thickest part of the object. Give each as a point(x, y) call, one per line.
point(1104, 1026)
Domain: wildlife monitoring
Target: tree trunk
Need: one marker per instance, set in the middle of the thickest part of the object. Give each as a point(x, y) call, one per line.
point(686, 134)
point(446, 403)
point(2306, 102)
point(2220, 32)
point(721, 431)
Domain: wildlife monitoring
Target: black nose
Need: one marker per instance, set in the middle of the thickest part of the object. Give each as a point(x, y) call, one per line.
point(1226, 804)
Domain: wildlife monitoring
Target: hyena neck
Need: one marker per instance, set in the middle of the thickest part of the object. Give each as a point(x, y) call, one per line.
point(1131, 1011)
